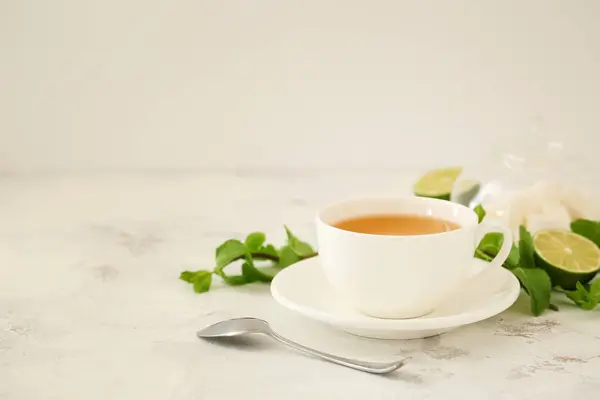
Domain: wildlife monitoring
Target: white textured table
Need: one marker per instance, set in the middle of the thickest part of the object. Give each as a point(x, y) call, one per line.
point(91, 306)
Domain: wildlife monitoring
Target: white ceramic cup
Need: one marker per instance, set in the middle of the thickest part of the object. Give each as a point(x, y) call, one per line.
point(390, 276)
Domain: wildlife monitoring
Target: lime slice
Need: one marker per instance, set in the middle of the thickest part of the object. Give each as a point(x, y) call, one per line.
point(566, 256)
point(437, 183)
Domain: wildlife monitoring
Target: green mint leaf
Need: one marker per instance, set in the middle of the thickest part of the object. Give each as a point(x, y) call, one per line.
point(577, 295)
point(262, 274)
point(588, 229)
point(299, 247)
point(253, 274)
point(253, 247)
point(537, 284)
point(491, 243)
point(589, 305)
point(254, 241)
point(228, 252)
point(187, 276)
point(202, 282)
point(595, 289)
point(191, 276)
point(580, 295)
point(269, 250)
point(526, 259)
point(287, 257)
point(584, 298)
point(480, 211)
point(483, 256)
point(513, 258)
point(234, 280)
point(200, 279)
point(231, 280)
point(249, 272)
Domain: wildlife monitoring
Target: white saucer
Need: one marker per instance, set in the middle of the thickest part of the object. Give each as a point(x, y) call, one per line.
point(303, 288)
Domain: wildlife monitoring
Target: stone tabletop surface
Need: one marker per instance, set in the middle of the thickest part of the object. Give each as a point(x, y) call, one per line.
point(91, 306)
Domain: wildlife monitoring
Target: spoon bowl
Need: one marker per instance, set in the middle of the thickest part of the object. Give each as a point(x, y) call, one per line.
point(235, 327)
point(244, 326)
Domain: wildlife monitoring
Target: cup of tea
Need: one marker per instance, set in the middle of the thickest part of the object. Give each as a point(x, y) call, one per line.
point(401, 257)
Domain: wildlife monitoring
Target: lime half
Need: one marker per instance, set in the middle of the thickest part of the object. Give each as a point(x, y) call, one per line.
point(437, 183)
point(566, 256)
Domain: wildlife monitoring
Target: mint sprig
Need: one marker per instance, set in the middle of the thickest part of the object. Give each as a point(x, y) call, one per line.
point(200, 279)
point(526, 258)
point(302, 249)
point(534, 281)
point(588, 229)
point(584, 296)
point(253, 249)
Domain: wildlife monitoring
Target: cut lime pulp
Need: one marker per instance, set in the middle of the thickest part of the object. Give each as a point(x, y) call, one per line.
point(437, 183)
point(566, 256)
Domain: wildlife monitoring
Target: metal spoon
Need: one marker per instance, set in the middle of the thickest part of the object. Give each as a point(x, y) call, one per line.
point(243, 326)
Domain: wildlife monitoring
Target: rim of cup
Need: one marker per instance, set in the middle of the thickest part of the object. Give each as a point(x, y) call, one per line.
point(322, 219)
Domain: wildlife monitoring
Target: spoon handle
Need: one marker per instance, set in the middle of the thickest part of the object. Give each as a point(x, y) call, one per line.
point(365, 366)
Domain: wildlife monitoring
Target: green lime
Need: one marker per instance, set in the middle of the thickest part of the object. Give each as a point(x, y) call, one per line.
point(566, 256)
point(437, 183)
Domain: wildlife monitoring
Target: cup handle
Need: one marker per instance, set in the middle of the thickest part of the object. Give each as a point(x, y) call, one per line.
point(481, 230)
point(485, 228)
point(487, 273)
point(478, 283)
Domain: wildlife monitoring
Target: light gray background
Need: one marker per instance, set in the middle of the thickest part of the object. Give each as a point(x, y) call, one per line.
point(90, 303)
point(133, 84)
